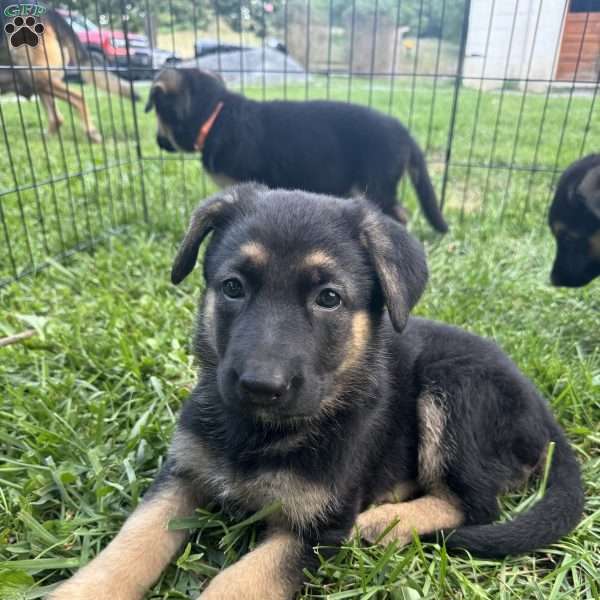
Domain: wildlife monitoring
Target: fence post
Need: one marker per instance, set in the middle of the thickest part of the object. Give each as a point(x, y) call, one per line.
point(457, 86)
point(138, 146)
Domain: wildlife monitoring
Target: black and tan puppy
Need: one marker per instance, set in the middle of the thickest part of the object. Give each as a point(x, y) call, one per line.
point(574, 219)
point(318, 391)
point(324, 147)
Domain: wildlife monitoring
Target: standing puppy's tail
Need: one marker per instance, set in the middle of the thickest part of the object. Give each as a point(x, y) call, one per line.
point(417, 169)
point(108, 81)
point(555, 515)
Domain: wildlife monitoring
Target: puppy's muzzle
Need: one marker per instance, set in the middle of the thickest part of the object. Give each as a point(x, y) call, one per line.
point(267, 385)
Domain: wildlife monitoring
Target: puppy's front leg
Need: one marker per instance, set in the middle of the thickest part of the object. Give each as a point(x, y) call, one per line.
point(273, 571)
point(142, 549)
point(423, 515)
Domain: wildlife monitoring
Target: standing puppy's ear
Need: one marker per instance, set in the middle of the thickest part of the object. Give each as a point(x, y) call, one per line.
point(589, 188)
point(156, 89)
point(211, 213)
point(399, 262)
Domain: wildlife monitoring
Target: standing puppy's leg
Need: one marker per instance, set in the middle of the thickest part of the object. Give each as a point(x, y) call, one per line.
point(55, 119)
point(271, 571)
point(144, 546)
point(383, 195)
point(76, 100)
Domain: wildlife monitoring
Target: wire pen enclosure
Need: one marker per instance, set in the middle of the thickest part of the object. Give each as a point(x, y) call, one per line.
point(501, 96)
point(95, 357)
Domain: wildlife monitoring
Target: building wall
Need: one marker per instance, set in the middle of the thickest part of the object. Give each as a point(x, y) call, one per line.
point(513, 40)
point(580, 48)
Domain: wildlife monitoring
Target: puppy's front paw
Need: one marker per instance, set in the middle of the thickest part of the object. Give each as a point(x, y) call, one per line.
point(373, 522)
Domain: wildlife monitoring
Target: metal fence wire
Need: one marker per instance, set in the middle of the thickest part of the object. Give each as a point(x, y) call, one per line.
point(501, 95)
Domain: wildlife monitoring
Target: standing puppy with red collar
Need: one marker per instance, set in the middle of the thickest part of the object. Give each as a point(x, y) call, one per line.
point(318, 146)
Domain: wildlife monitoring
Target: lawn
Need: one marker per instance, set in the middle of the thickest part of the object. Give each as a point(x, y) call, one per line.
point(88, 405)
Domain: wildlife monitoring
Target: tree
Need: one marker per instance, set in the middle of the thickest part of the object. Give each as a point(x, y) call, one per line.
point(111, 13)
point(424, 17)
point(258, 16)
point(435, 18)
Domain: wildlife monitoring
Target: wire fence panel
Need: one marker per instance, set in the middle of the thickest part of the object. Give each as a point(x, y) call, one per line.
point(501, 95)
point(64, 183)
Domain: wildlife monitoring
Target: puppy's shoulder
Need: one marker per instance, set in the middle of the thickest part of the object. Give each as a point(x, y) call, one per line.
point(434, 342)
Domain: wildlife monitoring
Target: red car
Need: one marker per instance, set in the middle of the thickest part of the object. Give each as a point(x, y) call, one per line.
point(109, 45)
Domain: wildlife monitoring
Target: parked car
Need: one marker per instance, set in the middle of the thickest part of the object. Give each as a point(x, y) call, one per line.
point(206, 47)
point(107, 45)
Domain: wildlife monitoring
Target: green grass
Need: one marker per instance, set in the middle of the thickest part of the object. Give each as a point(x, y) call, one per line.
point(87, 406)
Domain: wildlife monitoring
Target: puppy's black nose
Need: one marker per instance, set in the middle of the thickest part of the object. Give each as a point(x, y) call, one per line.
point(261, 388)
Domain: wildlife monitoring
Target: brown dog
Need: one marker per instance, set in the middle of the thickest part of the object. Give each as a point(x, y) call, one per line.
point(39, 69)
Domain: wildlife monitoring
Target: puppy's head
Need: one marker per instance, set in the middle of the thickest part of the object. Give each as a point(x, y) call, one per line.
point(296, 287)
point(574, 219)
point(184, 100)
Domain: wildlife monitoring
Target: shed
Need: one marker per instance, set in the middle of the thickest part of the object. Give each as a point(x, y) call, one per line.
point(543, 41)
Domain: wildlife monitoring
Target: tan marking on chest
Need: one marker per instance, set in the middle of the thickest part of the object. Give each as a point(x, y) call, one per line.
point(190, 455)
point(303, 502)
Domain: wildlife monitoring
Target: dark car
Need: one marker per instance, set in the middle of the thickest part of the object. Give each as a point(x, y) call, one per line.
point(207, 47)
point(110, 46)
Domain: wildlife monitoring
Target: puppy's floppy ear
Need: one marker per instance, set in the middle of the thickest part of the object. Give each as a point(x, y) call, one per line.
point(399, 262)
point(203, 221)
point(210, 214)
point(156, 89)
point(589, 188)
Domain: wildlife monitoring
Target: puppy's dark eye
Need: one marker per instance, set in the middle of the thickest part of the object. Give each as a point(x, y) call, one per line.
point(233, 288)
point(329, 299)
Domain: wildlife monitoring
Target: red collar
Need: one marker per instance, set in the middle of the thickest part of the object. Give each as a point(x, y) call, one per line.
point(206, 127)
